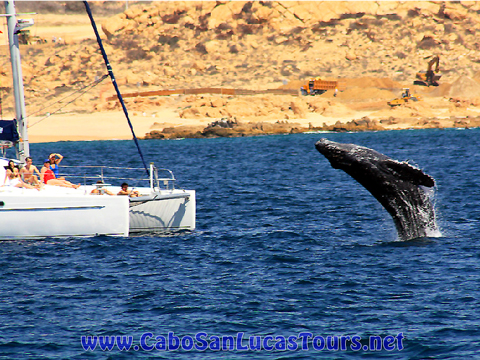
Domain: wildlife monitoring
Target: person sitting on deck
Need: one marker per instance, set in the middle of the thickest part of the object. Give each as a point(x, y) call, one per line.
point(125, 191)
point(48, 177)
point(100, 190)
point(27, 173)
point(55, 160)
point(12, 177)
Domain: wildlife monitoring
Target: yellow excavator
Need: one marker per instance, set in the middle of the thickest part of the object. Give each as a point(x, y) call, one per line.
point(429, 77)
point(406, 97)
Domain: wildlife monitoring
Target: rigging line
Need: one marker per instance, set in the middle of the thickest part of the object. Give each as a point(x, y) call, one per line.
point(114, 82)
point(68, 103)
point(90, 86)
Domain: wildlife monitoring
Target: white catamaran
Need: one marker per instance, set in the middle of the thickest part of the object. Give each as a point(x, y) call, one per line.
point(27, 213)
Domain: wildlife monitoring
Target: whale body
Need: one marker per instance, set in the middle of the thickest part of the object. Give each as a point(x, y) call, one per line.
point(396, 185)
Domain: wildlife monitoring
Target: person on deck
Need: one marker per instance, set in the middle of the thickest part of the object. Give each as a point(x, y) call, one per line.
point(55, 160)
point(100, 190)
point(12, 177)
point(125, 191)
point(27, 173)
point(48, 177)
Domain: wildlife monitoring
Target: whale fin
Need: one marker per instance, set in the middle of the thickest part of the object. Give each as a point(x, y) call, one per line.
point(407, 172)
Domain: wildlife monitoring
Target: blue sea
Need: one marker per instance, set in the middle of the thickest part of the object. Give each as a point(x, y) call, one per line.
point(286, 247)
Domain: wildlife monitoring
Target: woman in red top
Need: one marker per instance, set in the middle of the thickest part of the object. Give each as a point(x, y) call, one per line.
point(48, 177)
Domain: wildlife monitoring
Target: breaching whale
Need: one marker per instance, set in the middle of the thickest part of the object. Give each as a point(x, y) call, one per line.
point(396, 185)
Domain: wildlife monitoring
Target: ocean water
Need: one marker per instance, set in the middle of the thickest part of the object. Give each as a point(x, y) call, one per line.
point(285, 245)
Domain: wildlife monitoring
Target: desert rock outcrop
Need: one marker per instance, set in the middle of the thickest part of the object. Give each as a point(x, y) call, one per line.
point(375, 47)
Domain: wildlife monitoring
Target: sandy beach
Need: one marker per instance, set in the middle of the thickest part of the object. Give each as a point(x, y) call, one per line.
point(114, 126)
point(77, 127)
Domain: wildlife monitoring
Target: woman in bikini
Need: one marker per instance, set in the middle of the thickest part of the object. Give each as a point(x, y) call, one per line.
point(55, 160)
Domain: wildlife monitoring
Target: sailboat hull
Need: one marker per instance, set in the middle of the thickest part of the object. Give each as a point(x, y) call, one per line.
point(57, 212)
point(32, 214)
point(165, 211)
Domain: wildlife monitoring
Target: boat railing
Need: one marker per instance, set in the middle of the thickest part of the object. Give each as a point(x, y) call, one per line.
point(90, 174)
point(4, 145)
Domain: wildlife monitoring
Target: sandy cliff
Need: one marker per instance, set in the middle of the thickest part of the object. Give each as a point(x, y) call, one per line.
point(376, 47)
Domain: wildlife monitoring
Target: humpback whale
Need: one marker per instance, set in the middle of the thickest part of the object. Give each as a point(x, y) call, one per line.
point(396, 185)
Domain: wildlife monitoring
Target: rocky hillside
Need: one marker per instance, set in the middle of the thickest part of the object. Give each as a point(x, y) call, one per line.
point(259, 45)
point(237, 43)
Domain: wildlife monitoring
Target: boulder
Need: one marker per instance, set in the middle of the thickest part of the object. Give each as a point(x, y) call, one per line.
point(212, 47)
point(113, 25)
point(219, 15)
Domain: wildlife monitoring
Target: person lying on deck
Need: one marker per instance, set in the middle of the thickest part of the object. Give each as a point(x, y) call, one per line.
point(100, 190)
point(125, 191)
point(48, 177)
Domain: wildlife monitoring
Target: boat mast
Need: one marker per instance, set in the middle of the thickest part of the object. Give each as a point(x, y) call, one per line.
point(22, 147)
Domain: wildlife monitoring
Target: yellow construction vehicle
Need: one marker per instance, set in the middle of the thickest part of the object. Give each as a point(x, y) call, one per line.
point(406, 97)
point(318, 87)
point(429, 77)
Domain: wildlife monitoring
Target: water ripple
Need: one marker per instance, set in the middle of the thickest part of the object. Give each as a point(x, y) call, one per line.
point(285, 244)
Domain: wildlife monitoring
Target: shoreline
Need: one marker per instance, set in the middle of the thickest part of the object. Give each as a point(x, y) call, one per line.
point(196, 116)
point(113, 126)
